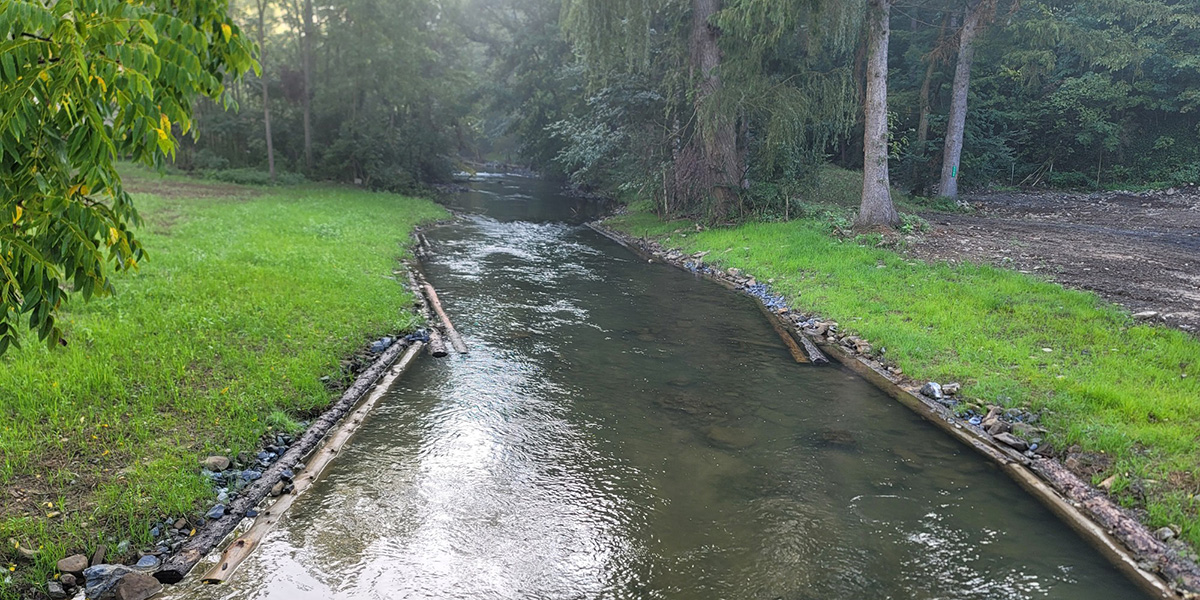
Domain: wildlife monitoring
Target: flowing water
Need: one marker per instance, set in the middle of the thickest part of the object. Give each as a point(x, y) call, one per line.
point(625, 430)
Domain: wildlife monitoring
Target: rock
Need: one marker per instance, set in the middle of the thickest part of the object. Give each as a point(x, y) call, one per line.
point(181, 523)
point(102, 579)
point(99, 554)
point(148, 562)
point(215, 463)
point(1107, 484)
point(734, 272)
point(951, 389)
point(137, 586)
point(122, 547)
point(68, 580)
point(277, 489)
point(74, 564)
point(932, 390)
point(996, 426)
point(55, 591)
point(732, 438)
point(1028, 432)
point(1164, 533)
point(1012, 441)
point(1145, 315)
point(251, 475)
point(216, 512)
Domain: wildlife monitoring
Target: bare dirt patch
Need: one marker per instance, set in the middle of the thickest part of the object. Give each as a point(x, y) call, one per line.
point(177, 187)
point(1139, 250)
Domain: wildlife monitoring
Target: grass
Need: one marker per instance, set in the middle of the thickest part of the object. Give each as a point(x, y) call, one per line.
point(1127, 394)
point(249, 298)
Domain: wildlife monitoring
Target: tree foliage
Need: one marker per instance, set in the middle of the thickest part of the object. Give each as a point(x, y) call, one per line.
point(83, 82)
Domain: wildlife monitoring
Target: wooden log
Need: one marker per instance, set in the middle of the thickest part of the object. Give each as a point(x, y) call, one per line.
point(242, 547)
point(178, 565)
point(455, 339)
point(814, 353)
point(794, 348)
point(437, 345)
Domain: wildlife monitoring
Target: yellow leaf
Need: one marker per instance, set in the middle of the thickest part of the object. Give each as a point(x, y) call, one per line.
point(113, 236)
point(226, 31)
point(163, 121)
point(74, 189)
point(17, 217)
point(44, 76)
point(103, 86)
point(162, 134)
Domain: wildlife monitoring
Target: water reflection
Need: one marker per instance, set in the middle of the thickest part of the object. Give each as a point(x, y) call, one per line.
point(623, 430)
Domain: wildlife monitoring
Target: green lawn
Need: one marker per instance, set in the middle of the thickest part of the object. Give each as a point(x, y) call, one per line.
point(1128, 393)
point(250, 296)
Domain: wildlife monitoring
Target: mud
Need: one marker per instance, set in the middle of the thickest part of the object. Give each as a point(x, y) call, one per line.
point(1139, 250)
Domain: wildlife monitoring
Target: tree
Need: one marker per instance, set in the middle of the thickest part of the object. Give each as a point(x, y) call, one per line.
point(83, 82)
point(977, 15)
point(877, 208)
point(262, 80)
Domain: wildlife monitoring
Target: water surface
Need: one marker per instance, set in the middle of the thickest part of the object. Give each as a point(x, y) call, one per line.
point(624, 430)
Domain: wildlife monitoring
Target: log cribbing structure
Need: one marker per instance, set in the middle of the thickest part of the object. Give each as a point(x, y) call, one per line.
point(240, 548)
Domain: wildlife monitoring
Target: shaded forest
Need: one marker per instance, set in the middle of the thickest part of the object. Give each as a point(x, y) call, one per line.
point(716, 108)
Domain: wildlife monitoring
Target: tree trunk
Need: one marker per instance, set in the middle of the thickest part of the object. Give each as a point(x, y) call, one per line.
point(307, 102)
point(266, 96)
point(958, 101)
point(877, 208)
point(718, 132)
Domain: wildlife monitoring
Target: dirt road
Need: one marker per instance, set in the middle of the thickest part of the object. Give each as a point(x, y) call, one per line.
point(1140, 250)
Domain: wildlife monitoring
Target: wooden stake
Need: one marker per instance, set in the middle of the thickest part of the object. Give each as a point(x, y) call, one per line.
point(455, 339)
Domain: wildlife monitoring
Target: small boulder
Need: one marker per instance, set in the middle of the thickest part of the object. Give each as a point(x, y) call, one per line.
point(1145, 315)
point(56, 591)
point(1012, 441)
point(932, 390)
point(1164, 533)
point(277, 489)
point(215, 512)
point(951, 389)
point(137, 586)
point(67, 580)
point(147, 563)
point(996, 426)
point(101, 580)
point(215, 463)
point(74, 564)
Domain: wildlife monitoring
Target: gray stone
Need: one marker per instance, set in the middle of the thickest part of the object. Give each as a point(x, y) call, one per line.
point(277, 489)
point(1012, 441)
point(122, 547)
point(67, 580)
point(996, 426)
point(216, 512)
point(1164, 533)
point(147, 563)
point(99, 554)
point(215, 463)
point(74, 564)
point(951, 389)
point(55, 591)
point(137, 586)
point(932, 390)
point(1145, 315)
point(101, 580)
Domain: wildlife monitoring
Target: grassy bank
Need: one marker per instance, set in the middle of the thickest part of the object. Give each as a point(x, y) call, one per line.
point(1127, 395)
point(250, 297)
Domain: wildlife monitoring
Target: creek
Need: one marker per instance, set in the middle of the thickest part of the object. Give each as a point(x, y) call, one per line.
point(626, 430)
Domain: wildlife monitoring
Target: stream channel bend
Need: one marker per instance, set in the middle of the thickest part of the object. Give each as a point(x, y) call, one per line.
point(624, 430)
